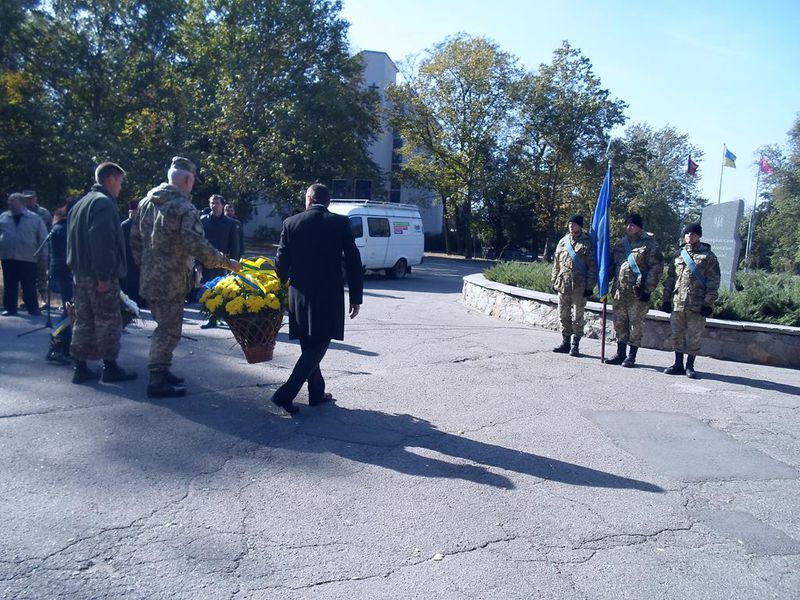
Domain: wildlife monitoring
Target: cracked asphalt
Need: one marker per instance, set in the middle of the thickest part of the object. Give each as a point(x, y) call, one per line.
point(463, 459)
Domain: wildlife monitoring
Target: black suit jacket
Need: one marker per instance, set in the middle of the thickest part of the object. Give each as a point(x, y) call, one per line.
point(310, 257)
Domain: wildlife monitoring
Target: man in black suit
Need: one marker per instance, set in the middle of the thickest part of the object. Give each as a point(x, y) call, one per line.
point(310, 257)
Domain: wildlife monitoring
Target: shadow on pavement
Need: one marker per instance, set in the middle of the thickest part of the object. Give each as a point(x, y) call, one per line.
point(388, 441)
point(772, 386)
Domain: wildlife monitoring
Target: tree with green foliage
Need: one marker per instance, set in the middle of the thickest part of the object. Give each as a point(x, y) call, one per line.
point(777, 231)
point(567, 116)
point(453, 112)
point(651, 179)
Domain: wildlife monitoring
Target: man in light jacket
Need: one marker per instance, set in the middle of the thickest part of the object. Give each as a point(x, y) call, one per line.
point(22, 233)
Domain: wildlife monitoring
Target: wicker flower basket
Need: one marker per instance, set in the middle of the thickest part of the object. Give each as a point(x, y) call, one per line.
point(256, 334)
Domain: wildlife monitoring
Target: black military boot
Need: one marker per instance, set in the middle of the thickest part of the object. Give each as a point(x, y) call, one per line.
point(677, 367)
point(173, 379)
point(575, 350)
point(113, 372)
point(619, 356)
point(630, 362)
point(83, 373)
point(690, 372)
point(159, 387)
point(562, 348)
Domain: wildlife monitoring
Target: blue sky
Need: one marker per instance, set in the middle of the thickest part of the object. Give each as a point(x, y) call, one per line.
point(722, 72)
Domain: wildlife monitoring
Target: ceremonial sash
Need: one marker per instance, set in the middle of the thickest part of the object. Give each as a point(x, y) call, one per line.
point(575, 258)
point(631, 261)
point(693, 266)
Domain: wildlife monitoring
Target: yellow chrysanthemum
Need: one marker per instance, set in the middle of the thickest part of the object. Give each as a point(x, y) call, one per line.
point(213, 303)
point(235, 306)
point(273, 301)
point(206, 295)
point(255, 303)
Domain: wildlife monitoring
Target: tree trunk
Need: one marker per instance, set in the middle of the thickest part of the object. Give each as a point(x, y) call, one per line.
point(445, 230)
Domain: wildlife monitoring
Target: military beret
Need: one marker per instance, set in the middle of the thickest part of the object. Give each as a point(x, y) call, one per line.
point(577, 219)
point(693, 228)
point(133, 205)
point(634, 219)
point(183, 164)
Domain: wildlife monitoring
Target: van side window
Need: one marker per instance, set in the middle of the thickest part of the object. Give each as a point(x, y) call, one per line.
point(357, 226)
point(378, 227)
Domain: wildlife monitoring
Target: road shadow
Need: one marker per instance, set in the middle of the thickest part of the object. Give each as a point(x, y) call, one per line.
point(283, 336)
point(400, 442)
point(772, 386)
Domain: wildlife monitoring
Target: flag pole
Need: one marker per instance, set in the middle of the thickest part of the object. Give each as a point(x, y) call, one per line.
point(721, 170)
point(604, 314)
point(751, 227)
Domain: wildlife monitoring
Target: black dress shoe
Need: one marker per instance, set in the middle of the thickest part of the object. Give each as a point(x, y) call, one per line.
point(326, 398)
point(289, 407)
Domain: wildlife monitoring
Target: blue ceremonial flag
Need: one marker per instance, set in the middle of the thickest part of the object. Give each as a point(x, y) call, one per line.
point(601, 237)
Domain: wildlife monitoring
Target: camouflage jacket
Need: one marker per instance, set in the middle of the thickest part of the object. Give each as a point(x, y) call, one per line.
point(649, 259)
point(165, 235)
point(684, 289)
point(566, 275)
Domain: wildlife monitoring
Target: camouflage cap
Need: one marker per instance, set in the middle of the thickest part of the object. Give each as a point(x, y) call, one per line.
point(29, 194)
point(183, 164)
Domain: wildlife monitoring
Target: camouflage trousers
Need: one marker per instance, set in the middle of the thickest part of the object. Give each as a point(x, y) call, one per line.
point(687, 331)
point(168, 315)
point(98, 321)
point(629, 313)
point(567, 301)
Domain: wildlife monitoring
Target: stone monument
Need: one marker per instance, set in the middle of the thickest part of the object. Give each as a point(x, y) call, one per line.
point(721, 229)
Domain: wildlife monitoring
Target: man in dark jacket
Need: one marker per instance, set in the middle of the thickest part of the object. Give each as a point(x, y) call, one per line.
point(221, 231)
point(310, 257)
point(130, 283)
point(96, 256)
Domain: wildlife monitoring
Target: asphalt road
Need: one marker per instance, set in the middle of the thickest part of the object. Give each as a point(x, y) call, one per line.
point(463, 459)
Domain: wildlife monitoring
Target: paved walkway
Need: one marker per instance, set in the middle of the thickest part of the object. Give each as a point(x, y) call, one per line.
point(463, 460)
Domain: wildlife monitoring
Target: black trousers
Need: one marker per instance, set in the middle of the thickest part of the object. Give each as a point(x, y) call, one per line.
point(306, 369)
point(16, 273)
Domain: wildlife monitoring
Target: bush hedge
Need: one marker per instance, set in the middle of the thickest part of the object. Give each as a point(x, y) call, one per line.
point(759, 296)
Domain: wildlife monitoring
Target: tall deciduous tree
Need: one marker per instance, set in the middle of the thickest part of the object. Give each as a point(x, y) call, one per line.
point(453, 112)
point(777, 233)
point(652, 179)
point(568, 117)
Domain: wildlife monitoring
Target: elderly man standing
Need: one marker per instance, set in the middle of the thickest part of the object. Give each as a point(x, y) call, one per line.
point(32, 204)
point(638, 264)
point(21, 234)
point(690, 291)
point(574, 276)
point(96, 257)
point(165, 235)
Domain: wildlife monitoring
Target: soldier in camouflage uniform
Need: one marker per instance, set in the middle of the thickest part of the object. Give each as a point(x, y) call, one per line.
point(165, 235)
point(690, 297)
point(638, 264)
point(574, 279)
point(96, 257)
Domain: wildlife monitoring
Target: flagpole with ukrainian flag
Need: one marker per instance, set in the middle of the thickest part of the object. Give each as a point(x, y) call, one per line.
point(728, 160)
point(601, 241)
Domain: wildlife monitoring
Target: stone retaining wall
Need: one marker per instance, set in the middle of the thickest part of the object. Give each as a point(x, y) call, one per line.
point(757, 343)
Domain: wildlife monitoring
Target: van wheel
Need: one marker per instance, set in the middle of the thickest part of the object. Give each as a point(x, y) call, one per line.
point(398, 271)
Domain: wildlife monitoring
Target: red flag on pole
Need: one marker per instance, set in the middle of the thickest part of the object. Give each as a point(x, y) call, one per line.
point(764, 165)
point(691, 168)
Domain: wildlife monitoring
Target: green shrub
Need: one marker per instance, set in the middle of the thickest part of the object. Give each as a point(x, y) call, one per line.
point(531, 276)
point(762, 297)
point(759, 297)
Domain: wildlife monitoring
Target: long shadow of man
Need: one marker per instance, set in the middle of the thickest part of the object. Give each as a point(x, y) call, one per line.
point(387, 440)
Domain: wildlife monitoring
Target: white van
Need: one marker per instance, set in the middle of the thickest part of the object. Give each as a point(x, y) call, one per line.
point(388, 235)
